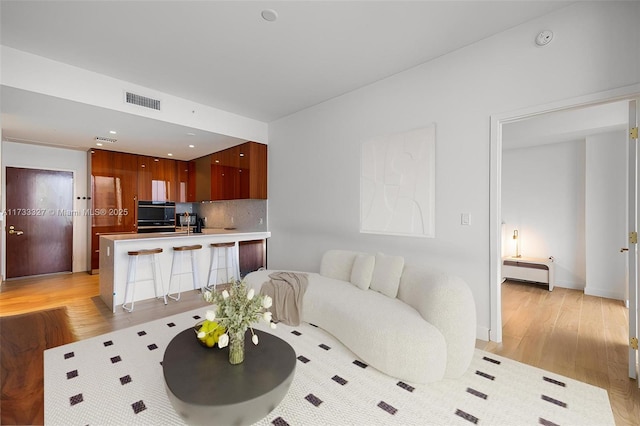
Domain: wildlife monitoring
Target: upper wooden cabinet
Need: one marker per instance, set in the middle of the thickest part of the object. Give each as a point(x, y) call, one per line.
point(239, 172)
point(186, 183)
point(157, 179)
point(258, 166)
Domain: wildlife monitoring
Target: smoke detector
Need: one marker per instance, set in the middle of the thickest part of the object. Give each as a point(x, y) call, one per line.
point(544, 37)
point(269, 15)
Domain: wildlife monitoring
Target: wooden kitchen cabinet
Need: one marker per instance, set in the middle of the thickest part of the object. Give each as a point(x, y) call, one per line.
point(253, 256)
point(144, 178)
point(186, 181)
point(113, 196)
point(222, 170)
point(239, 172)
point(157, 179)
point(258, 167)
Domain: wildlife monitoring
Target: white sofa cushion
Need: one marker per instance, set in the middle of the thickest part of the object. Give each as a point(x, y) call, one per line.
point(386, 274)
point(337, 264)
point(362, 271)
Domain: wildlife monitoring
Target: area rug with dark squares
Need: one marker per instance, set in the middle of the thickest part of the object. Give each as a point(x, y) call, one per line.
point(117, 378)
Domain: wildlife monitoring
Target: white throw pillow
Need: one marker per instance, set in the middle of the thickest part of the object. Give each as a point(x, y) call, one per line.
point(362, 271)
point(337, 264)
point(386, 274)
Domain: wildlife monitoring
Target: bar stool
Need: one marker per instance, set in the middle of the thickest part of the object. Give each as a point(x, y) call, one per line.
point(178, 253)
point(230, 260)
point(131, 275)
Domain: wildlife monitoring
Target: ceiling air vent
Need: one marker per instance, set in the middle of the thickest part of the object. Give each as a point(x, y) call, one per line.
point(105, 140)
point(143, 101)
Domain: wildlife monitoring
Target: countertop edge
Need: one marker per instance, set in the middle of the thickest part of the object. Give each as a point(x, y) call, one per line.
point(179, 235)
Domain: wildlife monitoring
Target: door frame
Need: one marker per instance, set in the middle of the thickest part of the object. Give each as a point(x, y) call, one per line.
point(626, 93)
point(632, 248)
point(3, 219)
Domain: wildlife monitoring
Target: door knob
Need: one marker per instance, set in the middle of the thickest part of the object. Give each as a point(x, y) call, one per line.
point(12, 230)
point(623, 249)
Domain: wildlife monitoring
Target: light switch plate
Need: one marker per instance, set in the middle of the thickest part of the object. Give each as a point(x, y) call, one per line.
point(465, 219)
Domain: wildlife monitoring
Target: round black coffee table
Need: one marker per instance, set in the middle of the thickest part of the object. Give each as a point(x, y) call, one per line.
point(204, 388)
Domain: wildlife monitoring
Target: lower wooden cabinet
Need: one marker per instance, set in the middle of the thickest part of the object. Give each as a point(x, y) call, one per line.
point(253, 256)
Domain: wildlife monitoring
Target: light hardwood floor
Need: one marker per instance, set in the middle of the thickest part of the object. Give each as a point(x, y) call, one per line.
point(572, 334)
point(88, 314)
point(563, 331)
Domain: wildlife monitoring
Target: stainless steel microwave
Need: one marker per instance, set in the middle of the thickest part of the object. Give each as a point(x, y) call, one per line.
point(156, 216)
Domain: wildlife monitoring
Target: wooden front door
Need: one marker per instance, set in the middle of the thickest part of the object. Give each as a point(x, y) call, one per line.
point(38, 222)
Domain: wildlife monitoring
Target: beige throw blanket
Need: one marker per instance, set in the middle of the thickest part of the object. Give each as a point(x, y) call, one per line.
point(287, 290)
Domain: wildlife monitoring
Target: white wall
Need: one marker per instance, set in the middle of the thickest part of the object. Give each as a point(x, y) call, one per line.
point(49, 158)
point(606, 215)
point(543, 197)
point(314, 154)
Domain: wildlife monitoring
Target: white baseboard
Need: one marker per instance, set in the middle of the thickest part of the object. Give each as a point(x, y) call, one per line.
point(482, 333)
point(570, 285)
point(603, 292)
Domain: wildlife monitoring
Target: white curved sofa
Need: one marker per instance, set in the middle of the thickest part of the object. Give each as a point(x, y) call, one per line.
point(409, 322)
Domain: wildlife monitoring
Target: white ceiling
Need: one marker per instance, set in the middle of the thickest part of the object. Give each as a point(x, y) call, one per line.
point(223, 54)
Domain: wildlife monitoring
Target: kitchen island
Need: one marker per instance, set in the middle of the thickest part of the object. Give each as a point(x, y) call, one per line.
point(114, 260)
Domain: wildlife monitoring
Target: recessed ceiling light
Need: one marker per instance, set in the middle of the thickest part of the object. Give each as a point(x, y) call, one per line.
point(192, 146)
point(113, 132)
point(191, 134)
point(99, 144)
point(269, 15)
point(170, 154)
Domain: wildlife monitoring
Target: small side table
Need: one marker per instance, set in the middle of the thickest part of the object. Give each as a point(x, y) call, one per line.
point(529, 269)
point(204, 388)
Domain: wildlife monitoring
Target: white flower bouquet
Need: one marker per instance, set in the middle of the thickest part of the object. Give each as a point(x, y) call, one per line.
point(236, 309)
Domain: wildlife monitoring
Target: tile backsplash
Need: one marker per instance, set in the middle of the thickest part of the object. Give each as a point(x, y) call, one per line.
point(244, 215)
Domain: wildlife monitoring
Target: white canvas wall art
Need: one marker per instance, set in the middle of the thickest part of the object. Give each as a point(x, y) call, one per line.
point(397, 184)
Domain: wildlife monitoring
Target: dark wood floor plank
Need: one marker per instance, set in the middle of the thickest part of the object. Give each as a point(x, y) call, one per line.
point(24, 338)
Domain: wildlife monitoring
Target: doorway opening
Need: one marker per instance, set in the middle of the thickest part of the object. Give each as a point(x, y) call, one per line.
point(628, 94)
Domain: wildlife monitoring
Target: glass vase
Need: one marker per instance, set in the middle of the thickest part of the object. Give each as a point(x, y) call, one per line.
point(236, 347)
